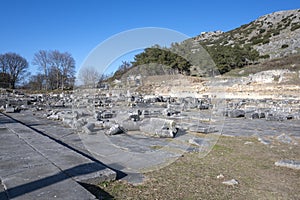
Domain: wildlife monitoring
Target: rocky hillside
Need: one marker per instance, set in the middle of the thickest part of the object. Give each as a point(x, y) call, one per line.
point(273, 35)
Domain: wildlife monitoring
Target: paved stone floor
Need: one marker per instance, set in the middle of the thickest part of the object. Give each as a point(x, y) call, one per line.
point(130, 153)
point(35, 166)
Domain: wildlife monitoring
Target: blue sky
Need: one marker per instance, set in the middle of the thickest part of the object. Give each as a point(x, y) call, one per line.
point(78, 26)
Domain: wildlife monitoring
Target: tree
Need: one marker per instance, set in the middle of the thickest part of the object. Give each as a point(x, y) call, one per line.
point(163, 57)
point(89, 76)
point(15, 66)
point(4, 80)
point(58, 68)
point(231, 57)
point(42, 60)
point(36, 82)
point(67, 70)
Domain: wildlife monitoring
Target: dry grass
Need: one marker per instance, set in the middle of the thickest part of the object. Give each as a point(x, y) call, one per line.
point(193, 178)
point(291, 63)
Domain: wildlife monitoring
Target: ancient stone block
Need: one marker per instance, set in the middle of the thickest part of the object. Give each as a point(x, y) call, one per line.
point(288, 163)
point(114, 130)
point(236, 113)
point(10, 110)
point(88, 128)
point(159, 127)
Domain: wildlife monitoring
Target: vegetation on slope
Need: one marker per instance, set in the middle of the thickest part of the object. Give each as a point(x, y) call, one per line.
point(270, 36)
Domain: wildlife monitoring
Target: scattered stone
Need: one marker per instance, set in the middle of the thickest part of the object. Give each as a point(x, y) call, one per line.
point(130, 125)
point(284, 138)
point(10, 110)
point(203, 106)
point(288, 163)
point(114, 130)
point(78, 124)
point(272, 117)
point(236, 113)
point(68, 122)
point(146, 113)
point(246, 143)
point(197, 142)
point(159, 127)
point(220, 176)
point(231, 182)
point(255, 116)
point(264, 141)
point(104, 115)
point(262, 115)
point(89, 128)
point(53, 117)
point(134, 117)
point(201, 129)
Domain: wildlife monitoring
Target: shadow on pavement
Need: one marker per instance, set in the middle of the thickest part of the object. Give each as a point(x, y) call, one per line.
point(63, 175)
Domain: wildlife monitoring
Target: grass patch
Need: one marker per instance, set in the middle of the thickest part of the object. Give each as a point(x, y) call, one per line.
point(192, 178)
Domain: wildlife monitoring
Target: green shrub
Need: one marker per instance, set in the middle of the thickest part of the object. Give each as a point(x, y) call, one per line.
point(262, 30)
point(295, 26)
point(265, 41)
point(276, 32)
point(264, 56)
point(256, 40)
point(284, 46)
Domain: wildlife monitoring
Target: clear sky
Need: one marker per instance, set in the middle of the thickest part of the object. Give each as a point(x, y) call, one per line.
point(78, 26)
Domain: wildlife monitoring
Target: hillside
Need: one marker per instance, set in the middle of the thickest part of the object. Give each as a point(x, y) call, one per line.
point(273, 35)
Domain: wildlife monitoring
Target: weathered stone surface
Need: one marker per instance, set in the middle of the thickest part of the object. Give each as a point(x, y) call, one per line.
point(293, 164)
point(34, 166)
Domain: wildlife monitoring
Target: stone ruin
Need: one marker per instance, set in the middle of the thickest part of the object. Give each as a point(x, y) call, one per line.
point(113, 112)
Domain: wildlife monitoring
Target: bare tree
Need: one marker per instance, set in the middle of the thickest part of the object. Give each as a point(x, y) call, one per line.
point(55, 59)
point(14, 65)
point(58, 68)
point(42, 60)
point(124, 66)
point(64, 68)
point(67, 69)
point(36, 82)
point(89, 76)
